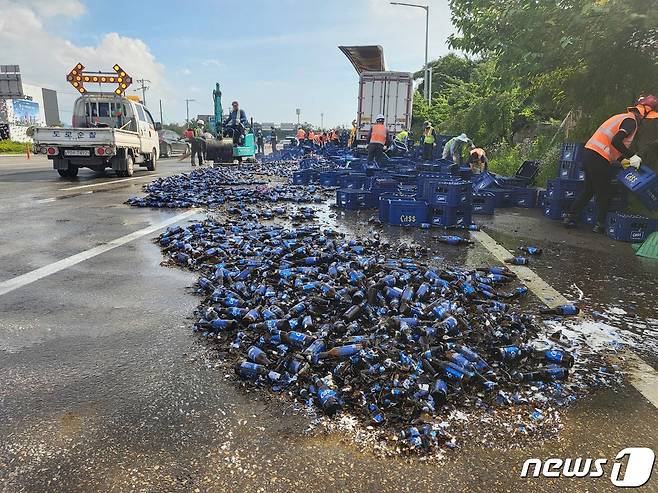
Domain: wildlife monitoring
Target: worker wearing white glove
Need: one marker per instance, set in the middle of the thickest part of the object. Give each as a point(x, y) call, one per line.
point(632, 162)
point(610, 143)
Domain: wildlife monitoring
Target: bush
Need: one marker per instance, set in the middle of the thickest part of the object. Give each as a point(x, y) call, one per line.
point(12, 147)
point(505, 158)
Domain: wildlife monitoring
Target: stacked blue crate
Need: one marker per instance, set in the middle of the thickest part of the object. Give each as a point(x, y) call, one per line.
point(483, 202)
point(353, 199)
point(571, 161)
point(450, 200)
point(524, 197)
point(403, 211)
point(560, 194)
point(379, 187)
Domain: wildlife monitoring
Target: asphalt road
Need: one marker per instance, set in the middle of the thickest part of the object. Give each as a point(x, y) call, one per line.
point(104, 388)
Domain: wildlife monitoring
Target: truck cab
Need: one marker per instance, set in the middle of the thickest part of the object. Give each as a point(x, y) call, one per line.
point(108, 131)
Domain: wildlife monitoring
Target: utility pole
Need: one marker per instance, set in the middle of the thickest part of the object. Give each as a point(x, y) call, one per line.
point(321, 120)
point(161, 119)
point(426, 8)
point(187, 108)
point(299, 112)
point(143, 87)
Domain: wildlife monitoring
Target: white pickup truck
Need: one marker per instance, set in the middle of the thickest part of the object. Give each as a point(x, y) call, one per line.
point(108, 131)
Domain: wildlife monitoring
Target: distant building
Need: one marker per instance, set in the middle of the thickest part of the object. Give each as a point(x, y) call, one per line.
point(24, 105)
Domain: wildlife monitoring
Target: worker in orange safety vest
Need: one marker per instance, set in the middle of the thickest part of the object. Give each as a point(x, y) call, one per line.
point(610, 143)
point(378, 139)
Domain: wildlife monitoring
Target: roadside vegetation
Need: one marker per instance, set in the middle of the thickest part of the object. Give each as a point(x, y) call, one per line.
point(11, 147)
point(531, 75)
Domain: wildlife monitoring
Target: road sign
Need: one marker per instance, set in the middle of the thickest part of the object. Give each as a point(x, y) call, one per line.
point(77, 77)
point(11, 86)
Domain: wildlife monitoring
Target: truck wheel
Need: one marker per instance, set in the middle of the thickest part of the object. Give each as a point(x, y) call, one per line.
point(73, 171)
point(64, 173)
point(129, 165)
point(152, 162)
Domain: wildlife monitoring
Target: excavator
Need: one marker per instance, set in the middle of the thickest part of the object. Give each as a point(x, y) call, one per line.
point(222, 150)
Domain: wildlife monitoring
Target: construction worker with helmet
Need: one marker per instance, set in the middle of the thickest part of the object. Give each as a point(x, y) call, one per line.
point(429, 139)
point(377, 140)
point(610, 143)
point(198, 143)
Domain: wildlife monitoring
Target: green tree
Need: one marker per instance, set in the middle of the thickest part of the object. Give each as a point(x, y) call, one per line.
point(592, 55)
point(445, 70)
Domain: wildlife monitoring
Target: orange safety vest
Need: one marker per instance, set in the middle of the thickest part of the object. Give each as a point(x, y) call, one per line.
point(301, 135)
point(379, 134)
point(601, 141)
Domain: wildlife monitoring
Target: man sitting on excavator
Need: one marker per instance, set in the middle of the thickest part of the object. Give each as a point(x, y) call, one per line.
point(237, 121)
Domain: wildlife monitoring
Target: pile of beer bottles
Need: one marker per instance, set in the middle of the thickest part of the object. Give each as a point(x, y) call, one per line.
point(363, 326)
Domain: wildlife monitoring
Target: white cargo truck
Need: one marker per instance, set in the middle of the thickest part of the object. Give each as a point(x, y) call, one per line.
point(386, 93)
point(108, 131)
point(380, 92)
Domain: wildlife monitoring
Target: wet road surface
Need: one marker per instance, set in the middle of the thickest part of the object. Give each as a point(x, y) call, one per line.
point(104, 387)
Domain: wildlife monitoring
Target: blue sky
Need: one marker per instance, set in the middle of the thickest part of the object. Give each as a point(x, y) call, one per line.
point(273, 56)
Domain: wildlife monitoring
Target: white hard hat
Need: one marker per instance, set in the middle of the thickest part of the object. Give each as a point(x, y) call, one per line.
point(200, 122)
point(463, 138)
point(380, 117)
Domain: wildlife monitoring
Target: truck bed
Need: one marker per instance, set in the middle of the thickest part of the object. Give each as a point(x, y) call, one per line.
point(85, 137)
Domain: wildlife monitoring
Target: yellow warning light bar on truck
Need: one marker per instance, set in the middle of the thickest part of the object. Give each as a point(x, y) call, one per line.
point(77, 77)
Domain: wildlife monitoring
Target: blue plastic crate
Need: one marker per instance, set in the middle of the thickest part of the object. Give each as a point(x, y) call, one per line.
point(504, 196)
point(643, 182)
point(528, 170)
point(446, 216)
point(304, 177)
point(404, 178)
point(564, 189)
point(381, 184)
point(629, 227)
point(524, 197)
point(572, 151)
point(636, 179)
point(353, 199)
point(352, 180)
point(400, 211)
point(556, 208)
point(330, 178)
point(511, 182)
point(444, 192)
point(483, 202)
point(571, 170)
point(483, 180)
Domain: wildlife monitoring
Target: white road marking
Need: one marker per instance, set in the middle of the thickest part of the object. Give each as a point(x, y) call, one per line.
point(45, 201)
point(32, 276)
point(641, 375)
point(104, 183)
point(536, 284)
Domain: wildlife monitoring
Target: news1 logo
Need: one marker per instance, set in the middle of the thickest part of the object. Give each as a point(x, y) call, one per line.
point(639, 466)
